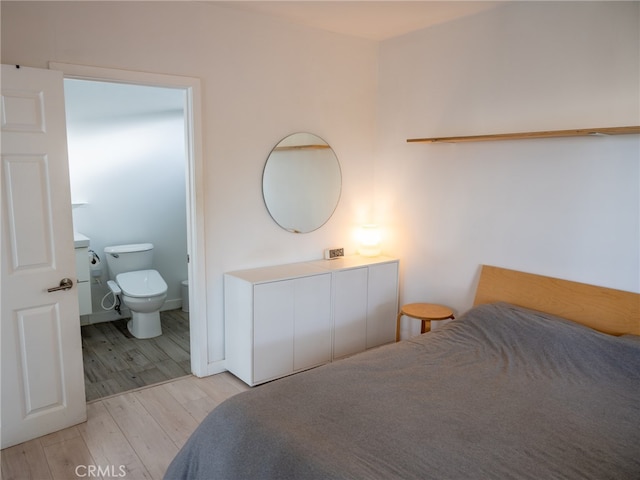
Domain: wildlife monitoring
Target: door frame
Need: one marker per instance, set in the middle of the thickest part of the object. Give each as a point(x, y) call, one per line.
point(195, 191)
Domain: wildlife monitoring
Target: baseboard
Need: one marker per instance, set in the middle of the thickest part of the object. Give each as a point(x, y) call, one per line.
point(111, 315)
point(216, 367)
point(174, 304)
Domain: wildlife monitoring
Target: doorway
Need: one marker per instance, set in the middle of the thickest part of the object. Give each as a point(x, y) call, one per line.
point(188, 103)
point(127, 168)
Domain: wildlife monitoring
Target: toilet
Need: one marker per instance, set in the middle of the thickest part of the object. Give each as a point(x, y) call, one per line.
point(142, 289)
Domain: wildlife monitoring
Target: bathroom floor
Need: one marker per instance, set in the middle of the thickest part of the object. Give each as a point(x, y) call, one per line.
point(115, 361)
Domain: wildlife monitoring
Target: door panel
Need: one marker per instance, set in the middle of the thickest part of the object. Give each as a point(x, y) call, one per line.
point(28, 211)
point(40, 358)
point(23, 111)
point(42, 371)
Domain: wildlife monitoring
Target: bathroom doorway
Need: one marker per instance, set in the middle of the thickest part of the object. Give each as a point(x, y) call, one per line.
point(133, 158)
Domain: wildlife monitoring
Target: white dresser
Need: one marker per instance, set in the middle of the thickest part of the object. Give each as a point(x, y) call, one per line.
point(287, 318)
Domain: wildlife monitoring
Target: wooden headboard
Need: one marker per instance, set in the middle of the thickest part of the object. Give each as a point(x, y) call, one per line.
point(615, 312)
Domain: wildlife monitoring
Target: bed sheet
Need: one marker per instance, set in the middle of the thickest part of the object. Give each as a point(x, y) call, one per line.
point(502, 392)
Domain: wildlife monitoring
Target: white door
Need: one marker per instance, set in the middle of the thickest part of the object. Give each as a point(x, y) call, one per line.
point(42, 371)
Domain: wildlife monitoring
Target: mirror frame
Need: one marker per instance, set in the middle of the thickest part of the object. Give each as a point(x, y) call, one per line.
point(304, 186)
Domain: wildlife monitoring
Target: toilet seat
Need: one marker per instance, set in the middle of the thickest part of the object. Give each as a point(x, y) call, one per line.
point(142, 283)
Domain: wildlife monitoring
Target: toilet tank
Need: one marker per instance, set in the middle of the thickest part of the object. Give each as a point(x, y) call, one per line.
point(128, 258)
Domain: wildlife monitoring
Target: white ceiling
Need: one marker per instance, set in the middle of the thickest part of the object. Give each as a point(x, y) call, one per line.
point(373, 20)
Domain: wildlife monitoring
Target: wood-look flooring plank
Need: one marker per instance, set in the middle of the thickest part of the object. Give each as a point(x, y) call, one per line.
point(140, 431)
point(127, 380)
point(91, 335)
point(177, 329)
point(108, 445)
point(67, 458)
point(148, 439)
point(222, 386)
point(151, 351)
point(185, 365)
point(60, 436)
point(198, 396)
point(113, 331)
point(169, 347)
point(185, 390)
point(94, 368)
point(109, 356)
point(135, 358)
point(165, 409)
point(179, 340)
point(200, 408)
point(225, 384)
point(152, 376)
point(121, 326)
point(102, 389)
point(231, 378)
point(171, 369)
point(26, 461)
point(116, 362)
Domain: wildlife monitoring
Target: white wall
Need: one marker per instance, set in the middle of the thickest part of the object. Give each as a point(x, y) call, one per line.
point(129, 174)
point(561, 207)
point(565, 207)
point(262, 79)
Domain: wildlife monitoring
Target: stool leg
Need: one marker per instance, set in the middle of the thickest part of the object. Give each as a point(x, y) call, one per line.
point(424, 329)
point(398, 327)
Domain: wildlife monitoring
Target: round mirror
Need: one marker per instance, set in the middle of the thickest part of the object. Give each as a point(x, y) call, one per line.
point(301, 182)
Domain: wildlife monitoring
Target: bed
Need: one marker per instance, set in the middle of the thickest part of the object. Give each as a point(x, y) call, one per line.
point(508, 390)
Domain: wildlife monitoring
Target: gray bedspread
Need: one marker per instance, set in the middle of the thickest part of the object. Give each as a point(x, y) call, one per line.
point(500, 393)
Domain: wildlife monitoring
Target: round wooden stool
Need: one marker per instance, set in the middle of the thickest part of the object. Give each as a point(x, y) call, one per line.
point(425, 312)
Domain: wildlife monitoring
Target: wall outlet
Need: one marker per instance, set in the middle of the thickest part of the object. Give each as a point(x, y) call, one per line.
point(331, 253)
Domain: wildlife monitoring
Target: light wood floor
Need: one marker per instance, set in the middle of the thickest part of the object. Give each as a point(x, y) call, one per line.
point(131, 436)
point(115, 361)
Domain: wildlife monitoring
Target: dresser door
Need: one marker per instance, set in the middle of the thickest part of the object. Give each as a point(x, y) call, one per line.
point(273, 330)
point(382, 304)
point(350, 314)
point(312, 330)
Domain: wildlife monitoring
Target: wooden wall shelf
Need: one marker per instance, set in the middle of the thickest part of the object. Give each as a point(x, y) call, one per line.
point(582, 132)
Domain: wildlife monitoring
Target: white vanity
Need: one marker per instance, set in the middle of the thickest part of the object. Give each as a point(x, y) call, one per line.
point(81, 244)
point(284, 319)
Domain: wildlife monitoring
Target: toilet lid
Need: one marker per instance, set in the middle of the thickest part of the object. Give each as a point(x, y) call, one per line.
point(142, 283)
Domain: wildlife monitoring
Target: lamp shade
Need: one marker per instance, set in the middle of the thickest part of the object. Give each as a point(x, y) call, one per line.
point(369, 238)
